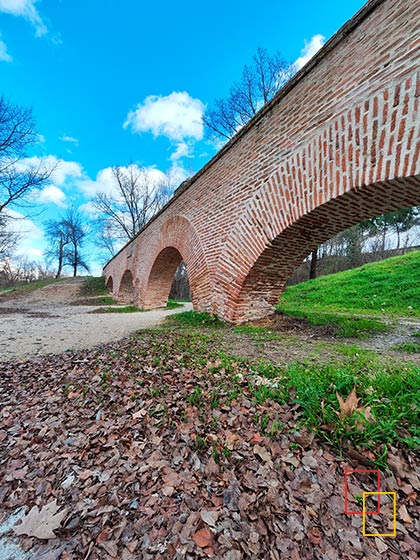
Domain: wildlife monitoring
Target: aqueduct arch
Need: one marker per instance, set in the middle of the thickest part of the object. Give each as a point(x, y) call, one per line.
point(110, 285)
point(338, 144)
point(265, 279)
point(176, 241)
point(126, 289)
point(160, 278)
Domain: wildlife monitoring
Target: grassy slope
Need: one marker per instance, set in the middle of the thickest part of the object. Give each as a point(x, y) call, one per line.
point(94, 286)
point(390, 286)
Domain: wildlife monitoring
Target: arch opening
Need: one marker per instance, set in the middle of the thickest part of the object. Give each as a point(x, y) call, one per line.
point(180, 288)
point(161, 277)
point(262, 285)
point(126, 291)
point(110, 285)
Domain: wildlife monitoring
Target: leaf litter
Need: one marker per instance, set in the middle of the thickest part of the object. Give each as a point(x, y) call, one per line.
point(116, 453)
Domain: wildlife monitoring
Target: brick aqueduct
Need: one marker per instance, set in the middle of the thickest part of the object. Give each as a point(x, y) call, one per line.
point(339, 144)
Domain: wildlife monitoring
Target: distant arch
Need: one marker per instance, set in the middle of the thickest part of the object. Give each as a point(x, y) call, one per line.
point(176, 241)
point(161, 276)
point(110, 285)
point(126, 290)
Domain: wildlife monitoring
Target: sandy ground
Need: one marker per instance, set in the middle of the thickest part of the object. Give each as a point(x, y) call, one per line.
point(45, 322)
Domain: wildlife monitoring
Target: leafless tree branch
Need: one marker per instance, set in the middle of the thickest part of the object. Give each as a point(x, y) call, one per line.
point(259, 82)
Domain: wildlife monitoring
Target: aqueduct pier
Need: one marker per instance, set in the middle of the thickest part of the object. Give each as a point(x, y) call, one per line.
point(340, 143)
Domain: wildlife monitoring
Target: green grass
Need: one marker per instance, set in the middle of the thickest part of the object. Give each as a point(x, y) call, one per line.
point(103, 300)
point(408, 347)
point(172, 304)
point(258, 334)
point(196, 319)
point(391, 390)
point(391, 286)
point(125, 309)
point(343, 325)
point(94, 286)
point(96, 300)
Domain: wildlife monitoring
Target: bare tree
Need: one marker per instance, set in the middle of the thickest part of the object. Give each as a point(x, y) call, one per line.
point(67, 236)
point(76, 230)
point(20, 271)
point(58, 239)
point(17, 135)
point(259, 82)
point(8, 237)
point(135, 199)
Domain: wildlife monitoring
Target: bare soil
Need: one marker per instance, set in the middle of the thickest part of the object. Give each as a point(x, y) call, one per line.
point(298, 339)
point(51, 321)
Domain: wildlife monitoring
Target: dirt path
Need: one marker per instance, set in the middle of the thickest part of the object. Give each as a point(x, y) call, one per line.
point(44, 322)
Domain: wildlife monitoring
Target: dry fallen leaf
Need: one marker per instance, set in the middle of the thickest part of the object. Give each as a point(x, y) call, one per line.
point(401, 469)
point(41, 523)
point(380, 545)
point(209, 517)
point(212, 467)
point(202, 538)
point(404, 514)
point(138, 485)
point(314, 535)
point(262, 452)
point(348, 406)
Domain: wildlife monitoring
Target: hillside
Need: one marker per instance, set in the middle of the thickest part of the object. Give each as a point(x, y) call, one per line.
point(388, 287)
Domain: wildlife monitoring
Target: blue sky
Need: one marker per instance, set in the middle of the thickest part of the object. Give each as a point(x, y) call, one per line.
point(117, 81)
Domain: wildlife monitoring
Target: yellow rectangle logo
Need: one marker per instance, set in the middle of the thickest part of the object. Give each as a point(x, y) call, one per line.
point(394, 522)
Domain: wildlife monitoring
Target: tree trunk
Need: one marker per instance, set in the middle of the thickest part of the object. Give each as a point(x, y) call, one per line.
point(314, 260)
point(76, 256)
point(60, 259)
point(383, 241)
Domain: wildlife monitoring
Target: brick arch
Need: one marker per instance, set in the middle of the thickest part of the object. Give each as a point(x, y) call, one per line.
point(109, 284)
point(265, 280)
point(161, 276)
point(364, 163)
point(176, 241)
point(126, 288)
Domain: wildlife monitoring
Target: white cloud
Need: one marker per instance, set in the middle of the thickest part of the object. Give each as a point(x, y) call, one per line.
point(177, 116)
point(52, 194)
point(4, 55)
point(105, 181)
point(89, 208)
point(177, 174)
point(69, 139)
point(182, 150)
point(63, 172)
point(309, 50)
point(27, 10)
point(32, 239)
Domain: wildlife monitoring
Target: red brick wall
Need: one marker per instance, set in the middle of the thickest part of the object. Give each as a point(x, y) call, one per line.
point(341, 144)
